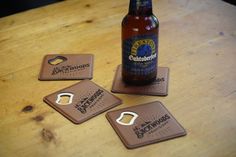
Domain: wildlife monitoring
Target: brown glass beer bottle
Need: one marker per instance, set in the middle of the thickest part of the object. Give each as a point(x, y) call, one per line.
point(139, 43)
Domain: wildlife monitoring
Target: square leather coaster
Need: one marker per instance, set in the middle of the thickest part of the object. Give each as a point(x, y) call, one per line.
point(82, 101)
point(150, 123)
point(66, 67)
point(158, 88)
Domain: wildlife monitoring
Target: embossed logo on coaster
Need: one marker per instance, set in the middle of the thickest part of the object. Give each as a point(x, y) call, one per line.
point(149, 123)
point(67, 67)
point(82, 101)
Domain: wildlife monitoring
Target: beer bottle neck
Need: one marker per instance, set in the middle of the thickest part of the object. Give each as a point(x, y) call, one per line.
point(140, 7)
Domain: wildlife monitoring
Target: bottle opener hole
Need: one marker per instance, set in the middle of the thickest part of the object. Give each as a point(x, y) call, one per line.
point(127, 118)
point(64, 98)
point(57, 60)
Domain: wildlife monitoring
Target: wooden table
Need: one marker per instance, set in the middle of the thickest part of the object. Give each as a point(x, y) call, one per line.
point(197, 43)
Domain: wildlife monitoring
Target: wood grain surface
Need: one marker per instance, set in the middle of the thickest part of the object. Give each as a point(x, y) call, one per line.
point(197, 42)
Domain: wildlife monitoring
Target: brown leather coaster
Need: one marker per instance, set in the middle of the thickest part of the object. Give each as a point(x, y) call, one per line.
point(150, 123)
point(158, 88)
point(82, 101)
point(66, 67)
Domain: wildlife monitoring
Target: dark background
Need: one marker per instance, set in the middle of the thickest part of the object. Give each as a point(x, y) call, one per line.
point(8, 7)
point(231, 1)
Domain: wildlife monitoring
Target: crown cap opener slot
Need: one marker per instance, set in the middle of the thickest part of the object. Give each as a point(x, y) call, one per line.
point(64, 98)
point(131, 121)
